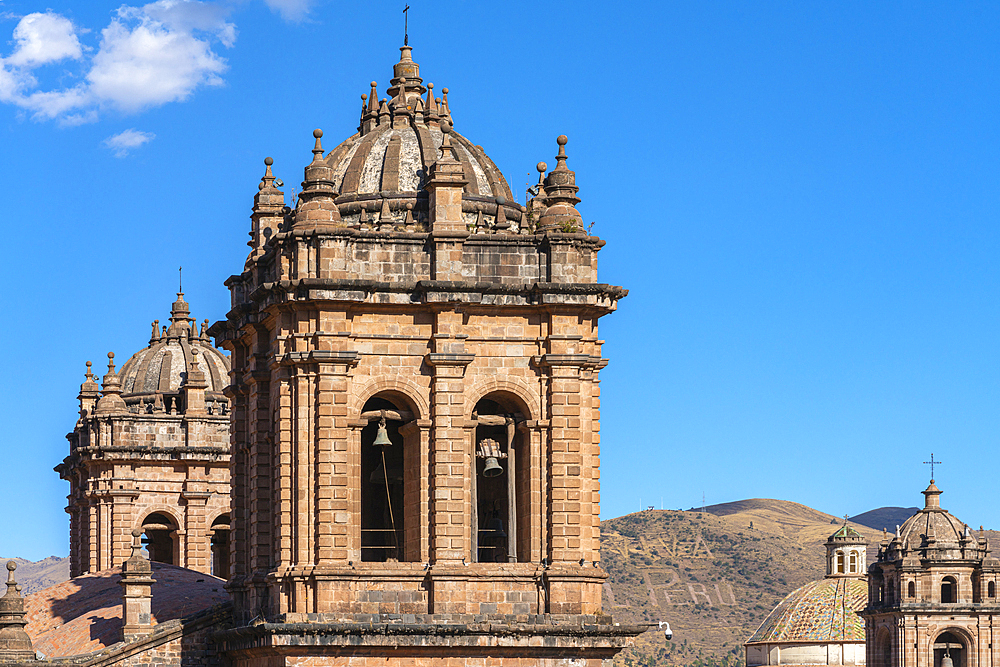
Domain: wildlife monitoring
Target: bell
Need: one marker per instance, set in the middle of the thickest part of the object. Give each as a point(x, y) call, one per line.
point(495, 525)
point(946, 661)
point(382, 437)
point(492, 467)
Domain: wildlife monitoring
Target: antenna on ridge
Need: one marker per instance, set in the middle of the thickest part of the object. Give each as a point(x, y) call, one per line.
point(406, 26)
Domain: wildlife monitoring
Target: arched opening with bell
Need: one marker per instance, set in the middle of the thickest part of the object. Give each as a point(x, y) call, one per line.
point(389, 484)
point(501, 523)
point(949, 650)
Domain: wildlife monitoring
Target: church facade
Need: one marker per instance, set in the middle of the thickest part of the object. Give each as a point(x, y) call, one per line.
point(933, 594)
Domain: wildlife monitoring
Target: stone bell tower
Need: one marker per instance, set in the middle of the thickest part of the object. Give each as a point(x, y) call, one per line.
point(932, 594)
point(416, 404)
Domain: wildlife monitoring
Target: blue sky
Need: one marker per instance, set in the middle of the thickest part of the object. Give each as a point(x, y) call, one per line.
point(802, 199)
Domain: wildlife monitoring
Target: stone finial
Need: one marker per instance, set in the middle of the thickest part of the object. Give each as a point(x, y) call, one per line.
point(137, 583)
point(447, 151)
point(267, 215)
point(155, 335)
point(111, 390)
point(89, 391)
point(180, 318)
point(204, 329)
point(445, 110)
point(15, 644)
point(932, 496)
point(430, 106)
point(194, 387)
point(560, 196)
point(317, 207)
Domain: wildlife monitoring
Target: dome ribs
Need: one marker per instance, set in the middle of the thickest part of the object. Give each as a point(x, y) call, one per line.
point(352, 179)
point(428, 154)
point(390, 165)
point(166, 363)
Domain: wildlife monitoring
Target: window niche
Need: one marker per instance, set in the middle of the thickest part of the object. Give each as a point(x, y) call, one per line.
point(501, 522)
point(949, 590)
point(389, 482)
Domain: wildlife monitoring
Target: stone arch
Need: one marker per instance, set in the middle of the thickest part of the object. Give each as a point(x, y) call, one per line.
point(219, 543)
point(961, 657)
point(390, 480)
point(410, 392)
point(883, 648)
point(503, 523)
point(516, 387)
point(161, 539)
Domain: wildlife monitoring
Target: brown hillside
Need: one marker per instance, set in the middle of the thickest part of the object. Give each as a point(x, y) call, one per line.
point(34, 576)
point(711, 575)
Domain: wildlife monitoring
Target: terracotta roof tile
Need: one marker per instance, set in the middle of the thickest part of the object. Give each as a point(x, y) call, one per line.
point(84, 614)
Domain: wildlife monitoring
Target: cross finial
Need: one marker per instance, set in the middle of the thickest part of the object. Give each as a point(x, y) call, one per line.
point(180, 279)
point(932, 463)
point(406, 25)
point(845, 519)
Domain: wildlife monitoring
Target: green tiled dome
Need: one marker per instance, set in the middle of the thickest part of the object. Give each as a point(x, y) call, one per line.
point(824, 610)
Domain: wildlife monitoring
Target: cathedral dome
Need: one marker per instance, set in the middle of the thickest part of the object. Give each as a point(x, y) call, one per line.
point(820, 611)
point(380, 172)
point(161, 367)
point(932, 527)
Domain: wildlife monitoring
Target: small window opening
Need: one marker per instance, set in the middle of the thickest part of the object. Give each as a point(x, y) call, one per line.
point(949, 590)
point(840, 563)
point(991, 589)
point(854, 562)
point(911, 590)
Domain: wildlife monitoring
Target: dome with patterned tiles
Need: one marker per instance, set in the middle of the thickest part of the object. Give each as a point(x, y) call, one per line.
point(161, 367)
point(824, 610)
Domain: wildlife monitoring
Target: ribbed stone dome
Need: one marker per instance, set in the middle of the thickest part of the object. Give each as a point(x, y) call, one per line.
point(824, 610)
point(932, 523)
point(383, 168)
point(162, 366)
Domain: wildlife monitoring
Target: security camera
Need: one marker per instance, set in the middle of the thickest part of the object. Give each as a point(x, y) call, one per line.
point(667, 632)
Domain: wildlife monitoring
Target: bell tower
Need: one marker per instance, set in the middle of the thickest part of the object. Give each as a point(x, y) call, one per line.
point(416, 404)
point(932, 594)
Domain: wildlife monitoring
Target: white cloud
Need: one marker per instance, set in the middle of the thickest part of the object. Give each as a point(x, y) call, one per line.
point(127, 140)
point(151, 63)
point(44, 38)
point(290, 10)
point(148, 56)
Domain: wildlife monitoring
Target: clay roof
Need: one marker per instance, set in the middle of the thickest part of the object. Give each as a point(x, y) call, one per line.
point(821, 611)
point(84, 614)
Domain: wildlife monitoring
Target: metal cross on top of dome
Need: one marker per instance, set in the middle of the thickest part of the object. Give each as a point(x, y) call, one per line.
point(932, 463)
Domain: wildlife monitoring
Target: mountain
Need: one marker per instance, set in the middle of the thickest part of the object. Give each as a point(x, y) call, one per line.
point(714, 575)
point(885, 517)
point(34, 576)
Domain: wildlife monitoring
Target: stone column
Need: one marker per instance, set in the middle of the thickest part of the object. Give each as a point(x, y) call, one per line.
point(197, 550)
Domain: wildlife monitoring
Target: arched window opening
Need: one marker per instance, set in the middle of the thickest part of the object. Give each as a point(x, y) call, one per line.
point(949, 590)
point(950, 645)
point(883, 650)
point(840, 562)
point(501, 523)
point(991, 589)
point(160, 538)
point(890, 592)
point(911, 590)
point(382, 473)
point(220, 546)
point(854, 562)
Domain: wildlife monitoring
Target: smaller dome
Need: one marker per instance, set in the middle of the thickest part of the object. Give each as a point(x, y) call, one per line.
point(820, 611)
point(161, 367)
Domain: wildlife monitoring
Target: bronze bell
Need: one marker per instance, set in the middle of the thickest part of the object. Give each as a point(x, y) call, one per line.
point(492, 467)
point(382, 437)
point(946, 660)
